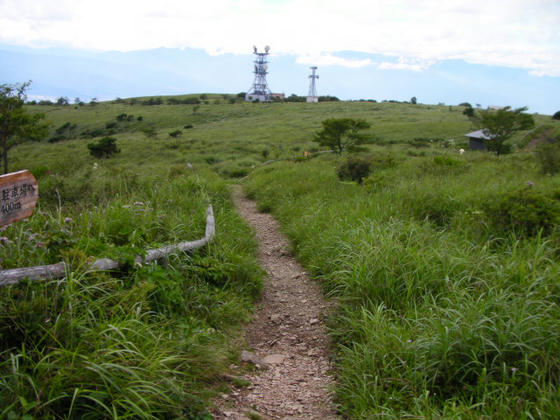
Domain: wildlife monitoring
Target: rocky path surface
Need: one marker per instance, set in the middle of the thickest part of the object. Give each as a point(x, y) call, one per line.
point(288, 342)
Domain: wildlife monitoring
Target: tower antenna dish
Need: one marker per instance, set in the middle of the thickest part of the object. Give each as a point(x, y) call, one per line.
point(312, 95)
point(259, 91)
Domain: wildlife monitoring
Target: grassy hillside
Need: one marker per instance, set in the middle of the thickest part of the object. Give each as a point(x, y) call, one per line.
point(446, 270)
point(444, 309)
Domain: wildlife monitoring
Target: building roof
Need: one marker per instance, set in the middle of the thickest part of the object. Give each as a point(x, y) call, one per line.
point(478, 134)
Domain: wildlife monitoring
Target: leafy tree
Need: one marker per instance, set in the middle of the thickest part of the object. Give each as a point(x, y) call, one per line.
point(413, 100)
point(468, 111)
point(556, 115)
point(104, 148)
point(500, 125)
point(16, 124)
point(63, 100)
point(341, 134)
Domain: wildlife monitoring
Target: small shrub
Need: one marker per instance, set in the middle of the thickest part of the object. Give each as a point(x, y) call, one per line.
point(96, 132)
point(188, 126)
point(548, 155)
point(104, 148)
point(140, 118)
point(176, 133)
point(382, 161)
point(434, 207)
point(121, 117)
point(419, 142)
point(174, 145)
point(153, 101)
point(110, 125)
point(524, 212)
point(556, 115)
point(63, 128)
point(56, 139)
point(150, 132)
point(354, 168)
point(378, 181)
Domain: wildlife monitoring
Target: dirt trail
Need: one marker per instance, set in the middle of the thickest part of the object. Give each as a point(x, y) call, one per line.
point(288, 341)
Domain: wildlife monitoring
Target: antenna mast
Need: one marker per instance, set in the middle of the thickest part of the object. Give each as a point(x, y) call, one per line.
point(259, 90)
point(312, 95)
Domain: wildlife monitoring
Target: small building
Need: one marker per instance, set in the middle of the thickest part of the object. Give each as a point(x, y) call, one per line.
point(478, 140)
point(278, 96)
point(257, 97)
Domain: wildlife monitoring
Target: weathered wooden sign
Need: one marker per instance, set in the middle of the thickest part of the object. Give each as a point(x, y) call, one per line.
point(19, 193)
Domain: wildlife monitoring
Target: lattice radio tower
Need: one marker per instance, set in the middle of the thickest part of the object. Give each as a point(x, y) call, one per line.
point(312, 95)
point(259, 90)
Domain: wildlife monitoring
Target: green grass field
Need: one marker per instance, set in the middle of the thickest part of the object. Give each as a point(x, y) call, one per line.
point(444, 266)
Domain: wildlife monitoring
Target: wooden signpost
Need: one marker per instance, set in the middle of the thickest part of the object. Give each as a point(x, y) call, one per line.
point(19, 193)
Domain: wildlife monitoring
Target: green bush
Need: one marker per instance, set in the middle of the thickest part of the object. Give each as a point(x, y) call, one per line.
point(104, 148)
point(556, 115)
point(548, 156)
point(524, 212)
point(176, 133)
point(354, 168)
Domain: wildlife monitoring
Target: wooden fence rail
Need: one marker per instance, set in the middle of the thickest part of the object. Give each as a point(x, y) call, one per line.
point(55, 271)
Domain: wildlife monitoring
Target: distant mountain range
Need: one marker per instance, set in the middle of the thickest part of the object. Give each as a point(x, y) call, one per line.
point(59, 72)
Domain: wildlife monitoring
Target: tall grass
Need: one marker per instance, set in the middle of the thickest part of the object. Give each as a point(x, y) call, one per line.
point(147, 341)
point(441, 311)
point(144, 342)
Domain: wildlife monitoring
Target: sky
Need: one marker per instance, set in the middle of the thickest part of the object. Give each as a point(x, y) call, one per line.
point(499, 52)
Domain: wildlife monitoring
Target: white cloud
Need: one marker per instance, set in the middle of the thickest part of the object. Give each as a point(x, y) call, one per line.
point(332, 60)
point(404, 63)
point(514, 33)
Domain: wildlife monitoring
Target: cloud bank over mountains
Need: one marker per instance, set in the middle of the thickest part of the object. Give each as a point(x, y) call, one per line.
point(508, 33)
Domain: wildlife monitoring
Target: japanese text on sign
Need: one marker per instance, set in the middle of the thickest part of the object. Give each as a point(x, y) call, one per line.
point(11, 197)
point(18, 195)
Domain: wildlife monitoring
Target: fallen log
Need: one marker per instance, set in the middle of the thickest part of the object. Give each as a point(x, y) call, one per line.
point(59, 270)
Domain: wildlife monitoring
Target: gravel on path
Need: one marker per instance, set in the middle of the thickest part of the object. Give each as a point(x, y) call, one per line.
point(288, 341)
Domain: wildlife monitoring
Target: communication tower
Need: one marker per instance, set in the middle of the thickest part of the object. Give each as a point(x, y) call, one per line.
point(259, 90)
point(312, 95)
